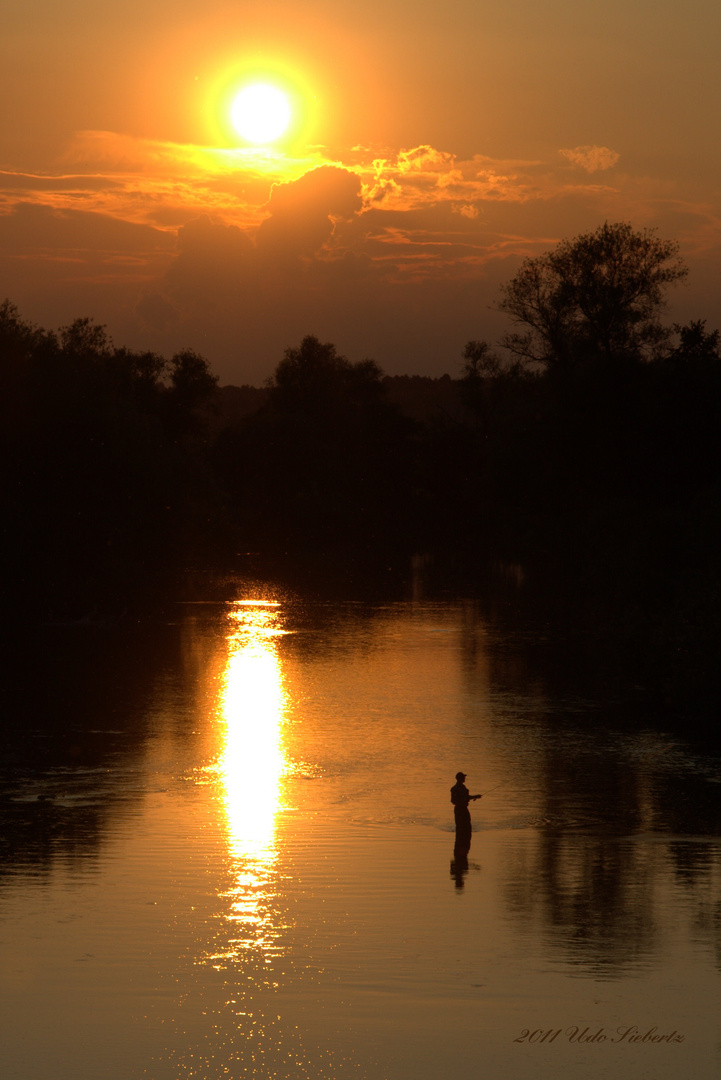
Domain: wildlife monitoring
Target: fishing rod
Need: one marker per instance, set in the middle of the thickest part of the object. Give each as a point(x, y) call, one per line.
point(493, 788)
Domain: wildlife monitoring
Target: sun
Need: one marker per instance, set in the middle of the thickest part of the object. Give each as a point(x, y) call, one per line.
point(260, 113)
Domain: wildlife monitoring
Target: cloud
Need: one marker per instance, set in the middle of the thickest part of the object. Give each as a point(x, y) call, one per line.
point(27, 182)
point(213, 265)
point(425, 177)
point(29, 226)
point(591, 158)
point(303, 211)
point(293, 208)
point(423, 159)
point(329, 190)
point(240, 253)
point(218, 262)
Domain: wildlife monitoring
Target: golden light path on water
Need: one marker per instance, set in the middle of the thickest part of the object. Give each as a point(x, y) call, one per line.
point(234, 1024)
point(250, 768)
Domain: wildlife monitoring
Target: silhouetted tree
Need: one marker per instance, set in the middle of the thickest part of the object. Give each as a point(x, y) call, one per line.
point(191, 381)
point(18, 339)
point(322, 465)
point(503, 399)
point(685, 411)
point(103, 476)
point(598, 296)
point(484, 371)
point(85, 339)
point(696, 347)
point(313, 379)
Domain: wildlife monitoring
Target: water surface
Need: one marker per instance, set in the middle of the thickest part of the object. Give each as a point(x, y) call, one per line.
point(229, 852)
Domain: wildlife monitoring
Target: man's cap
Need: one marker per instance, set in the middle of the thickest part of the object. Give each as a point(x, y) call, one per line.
point(460, 776)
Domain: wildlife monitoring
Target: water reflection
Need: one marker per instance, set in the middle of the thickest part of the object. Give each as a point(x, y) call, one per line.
point(234, 938)
point(240, 1017)
point(459, 862)
point(251, 768)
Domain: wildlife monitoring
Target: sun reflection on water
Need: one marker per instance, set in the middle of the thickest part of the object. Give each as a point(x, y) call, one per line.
point(251, 767)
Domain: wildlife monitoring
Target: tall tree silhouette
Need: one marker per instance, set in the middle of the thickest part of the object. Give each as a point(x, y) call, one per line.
point(598, 296)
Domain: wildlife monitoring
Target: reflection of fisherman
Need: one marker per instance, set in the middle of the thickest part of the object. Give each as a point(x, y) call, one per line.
point(460, 797)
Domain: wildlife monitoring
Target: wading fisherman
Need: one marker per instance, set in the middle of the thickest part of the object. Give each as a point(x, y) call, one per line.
point(460, 797)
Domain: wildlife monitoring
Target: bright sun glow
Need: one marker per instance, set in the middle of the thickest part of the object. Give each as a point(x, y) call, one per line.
point(260, 113)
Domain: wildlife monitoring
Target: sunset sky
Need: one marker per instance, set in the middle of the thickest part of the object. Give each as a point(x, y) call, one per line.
point(432, 147)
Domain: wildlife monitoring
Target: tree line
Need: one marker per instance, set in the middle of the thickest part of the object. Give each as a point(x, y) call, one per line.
point(584, 446)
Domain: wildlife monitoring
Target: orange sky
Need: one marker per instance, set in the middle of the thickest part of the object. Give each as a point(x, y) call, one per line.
point(439, 144)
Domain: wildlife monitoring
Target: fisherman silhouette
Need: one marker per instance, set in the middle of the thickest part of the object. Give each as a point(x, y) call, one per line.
point(460, 797)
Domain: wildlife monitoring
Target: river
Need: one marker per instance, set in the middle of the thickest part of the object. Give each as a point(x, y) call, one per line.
point(228, 852)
